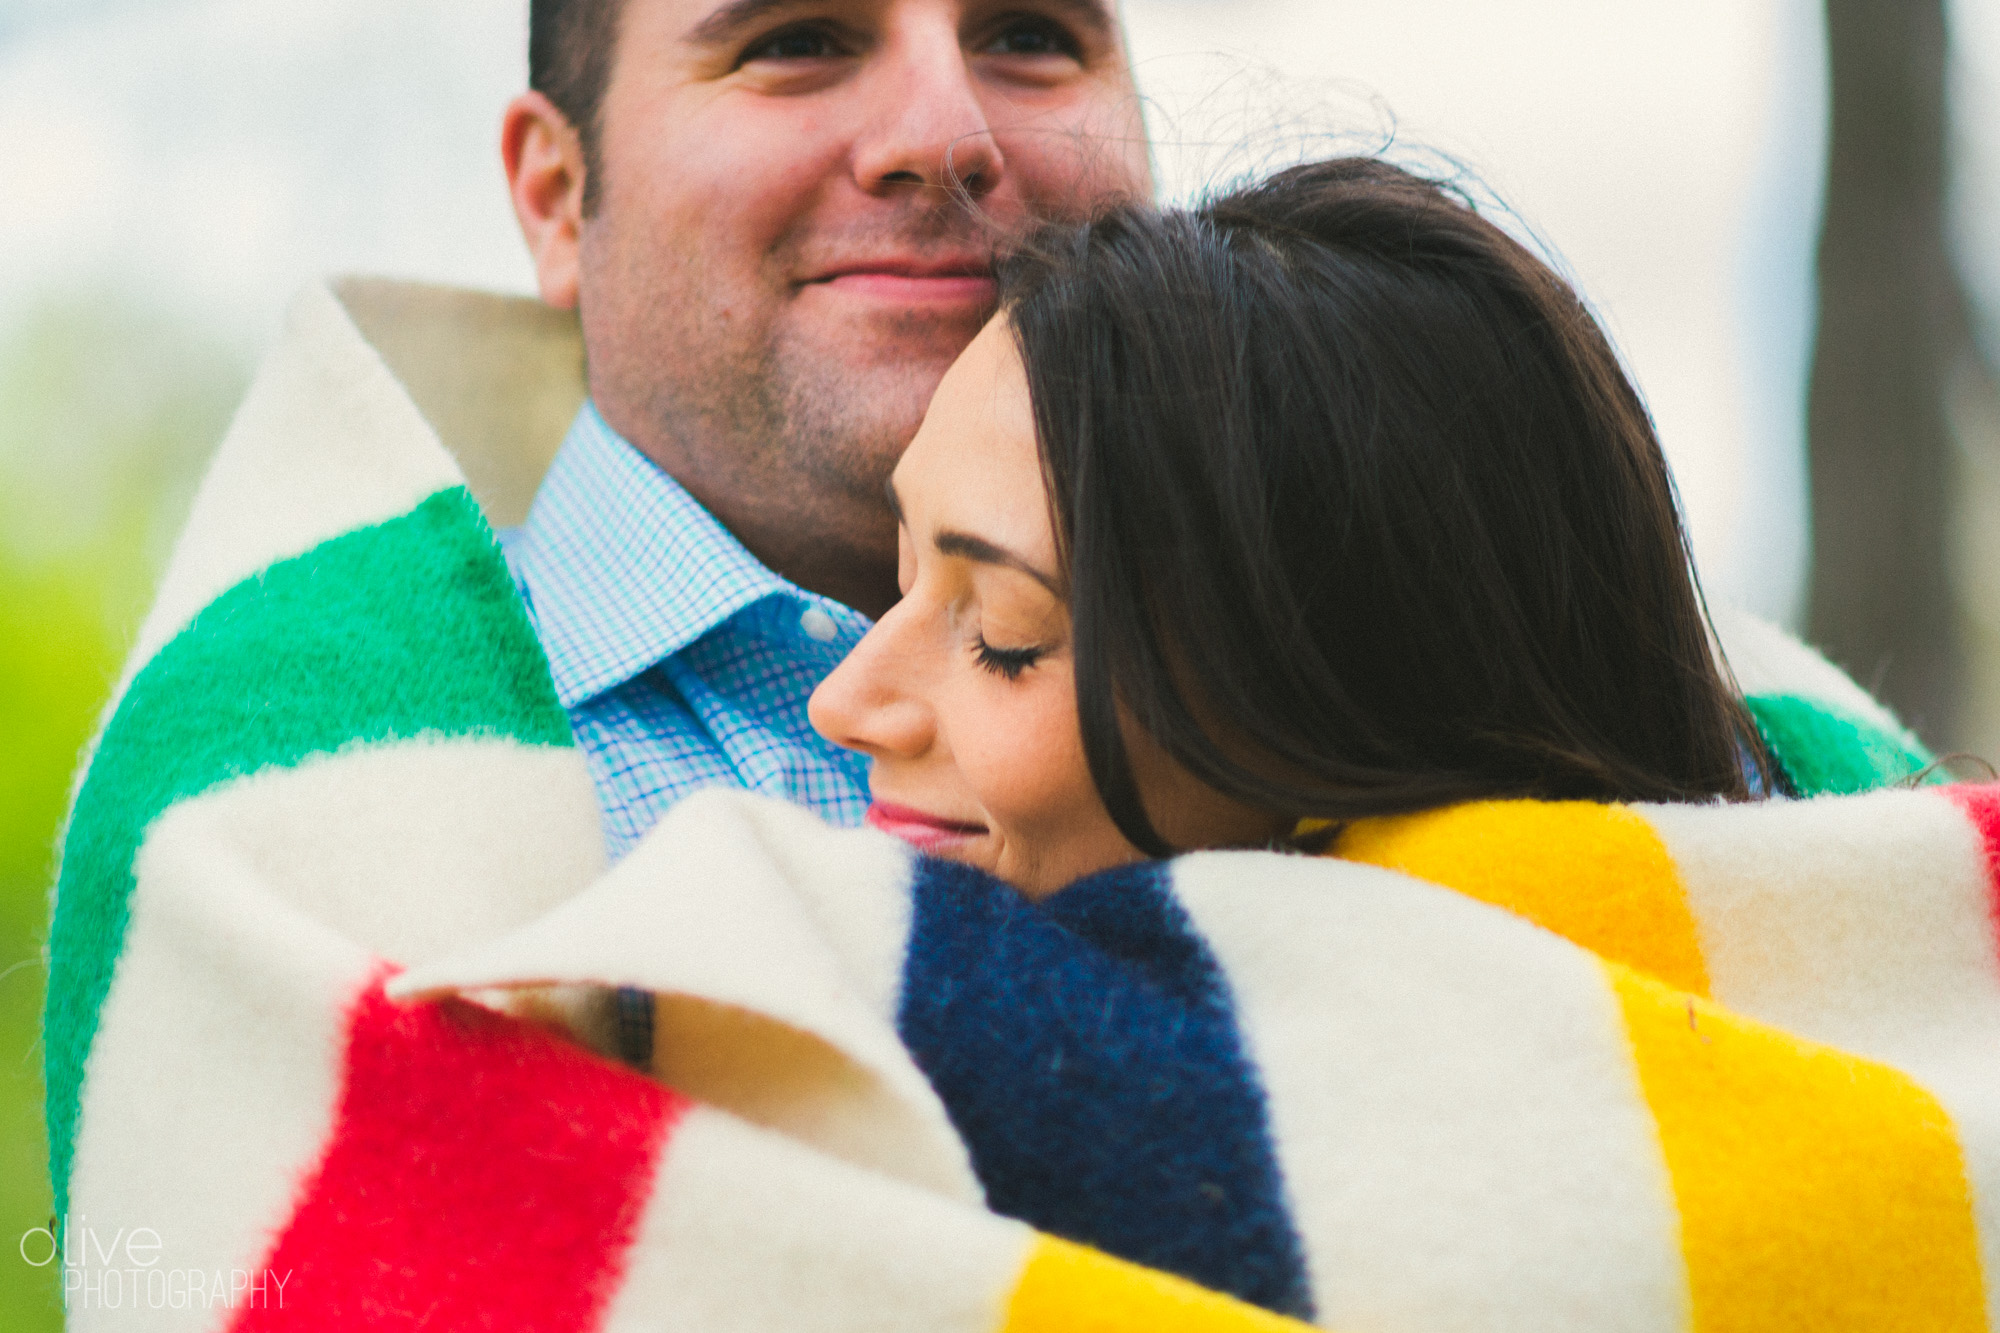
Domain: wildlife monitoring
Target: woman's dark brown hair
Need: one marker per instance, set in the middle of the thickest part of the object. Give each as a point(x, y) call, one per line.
point(1358, 512)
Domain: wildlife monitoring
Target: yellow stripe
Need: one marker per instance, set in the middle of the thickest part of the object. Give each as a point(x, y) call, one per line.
point(1817, 1191)
point(1595, 874)
point(1067, 1288)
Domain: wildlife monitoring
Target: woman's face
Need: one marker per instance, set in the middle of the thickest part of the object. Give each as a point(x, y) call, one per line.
point(964, 694)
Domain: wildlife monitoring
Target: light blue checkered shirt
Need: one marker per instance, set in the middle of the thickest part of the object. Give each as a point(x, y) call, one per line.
point(683, 661)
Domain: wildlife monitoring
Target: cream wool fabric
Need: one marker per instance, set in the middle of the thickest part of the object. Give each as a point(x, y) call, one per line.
point(1457, 1096)
point(219, 977)
point(336, 753)
point(334, 830)
point(805, 941)
point(1439, 1154)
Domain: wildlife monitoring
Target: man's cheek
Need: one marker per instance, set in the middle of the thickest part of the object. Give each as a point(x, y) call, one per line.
point(1070, 173)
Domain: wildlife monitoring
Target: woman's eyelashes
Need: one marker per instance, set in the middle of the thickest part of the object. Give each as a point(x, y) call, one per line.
point(1007, 663)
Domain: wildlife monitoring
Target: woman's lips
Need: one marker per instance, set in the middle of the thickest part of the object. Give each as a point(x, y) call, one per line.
point(925, 832)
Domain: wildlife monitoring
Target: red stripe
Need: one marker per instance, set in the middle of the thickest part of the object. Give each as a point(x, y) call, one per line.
point(482, 1174)
point(1981, 804)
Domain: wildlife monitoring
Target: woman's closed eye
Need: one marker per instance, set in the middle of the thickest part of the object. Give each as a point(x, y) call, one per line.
point(1007, 663)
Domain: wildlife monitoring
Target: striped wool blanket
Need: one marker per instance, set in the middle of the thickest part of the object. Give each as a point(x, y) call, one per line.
point(334, 943)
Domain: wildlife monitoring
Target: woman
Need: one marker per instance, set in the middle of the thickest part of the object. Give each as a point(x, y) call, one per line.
point(1242, 527)
point(1325, 500)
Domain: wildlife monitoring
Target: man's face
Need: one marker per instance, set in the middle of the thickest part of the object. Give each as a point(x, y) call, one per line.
point(779, 263)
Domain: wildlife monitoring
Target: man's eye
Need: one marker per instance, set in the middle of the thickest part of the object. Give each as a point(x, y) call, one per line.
point(806, 42)
point(1035, 37)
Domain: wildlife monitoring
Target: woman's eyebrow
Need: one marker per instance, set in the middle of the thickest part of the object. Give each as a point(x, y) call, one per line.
point(968, 547)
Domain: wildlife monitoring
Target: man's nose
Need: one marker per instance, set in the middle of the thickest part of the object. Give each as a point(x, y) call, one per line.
point(926, 127)
point(873, 702)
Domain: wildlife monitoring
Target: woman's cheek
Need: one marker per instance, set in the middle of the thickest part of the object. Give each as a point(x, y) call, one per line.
point(1030, 772)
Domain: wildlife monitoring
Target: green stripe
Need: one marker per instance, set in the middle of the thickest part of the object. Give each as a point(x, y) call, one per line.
point(407, 629)
point(1827, 751)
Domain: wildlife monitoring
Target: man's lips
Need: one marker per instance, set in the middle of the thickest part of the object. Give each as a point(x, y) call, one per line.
point(910, 281)
point(921, 830)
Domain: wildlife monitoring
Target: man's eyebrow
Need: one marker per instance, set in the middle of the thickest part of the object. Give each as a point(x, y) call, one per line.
point(730, 19)
point(968, 547)
point(1092, 14)
point(737, 15)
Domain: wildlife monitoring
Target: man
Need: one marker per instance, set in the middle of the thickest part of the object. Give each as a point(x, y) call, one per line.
point(776, 220)
point(338, 751)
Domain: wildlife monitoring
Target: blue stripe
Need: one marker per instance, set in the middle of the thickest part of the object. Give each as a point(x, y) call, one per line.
point(1086, 1049)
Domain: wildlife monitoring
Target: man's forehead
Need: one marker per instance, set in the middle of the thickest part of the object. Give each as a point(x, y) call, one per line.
point(718, 20)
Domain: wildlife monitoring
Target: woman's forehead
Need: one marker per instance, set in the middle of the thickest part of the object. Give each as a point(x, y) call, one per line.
point(973, 466)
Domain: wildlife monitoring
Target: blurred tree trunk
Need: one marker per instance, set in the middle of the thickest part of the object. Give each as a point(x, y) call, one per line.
point(1892, 326)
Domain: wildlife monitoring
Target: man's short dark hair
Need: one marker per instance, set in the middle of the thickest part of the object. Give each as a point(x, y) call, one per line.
point(570, 47)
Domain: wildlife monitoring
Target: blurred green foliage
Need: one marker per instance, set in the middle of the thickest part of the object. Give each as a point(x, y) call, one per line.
point(106, 412)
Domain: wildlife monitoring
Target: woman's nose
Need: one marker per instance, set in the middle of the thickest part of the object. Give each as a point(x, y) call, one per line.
point(872, 702)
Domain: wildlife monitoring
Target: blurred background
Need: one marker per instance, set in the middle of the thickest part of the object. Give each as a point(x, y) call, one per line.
point(1786, 211)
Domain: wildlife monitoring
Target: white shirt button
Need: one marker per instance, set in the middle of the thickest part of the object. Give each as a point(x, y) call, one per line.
point(818, 625)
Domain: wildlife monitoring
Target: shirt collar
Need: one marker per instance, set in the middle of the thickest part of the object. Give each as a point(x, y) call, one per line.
point(624, 568)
